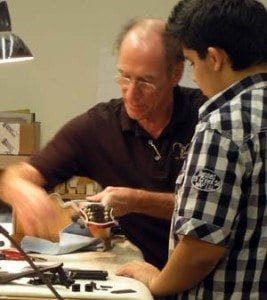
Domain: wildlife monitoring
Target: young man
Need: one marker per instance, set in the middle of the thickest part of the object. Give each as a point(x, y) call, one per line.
point(219, 241)
point(134, 147)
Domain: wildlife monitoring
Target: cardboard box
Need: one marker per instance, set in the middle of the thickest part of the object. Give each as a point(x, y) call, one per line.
point(7, 160)
point(19, 138)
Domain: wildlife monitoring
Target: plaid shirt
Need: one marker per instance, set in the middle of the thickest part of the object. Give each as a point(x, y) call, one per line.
point(222, 190)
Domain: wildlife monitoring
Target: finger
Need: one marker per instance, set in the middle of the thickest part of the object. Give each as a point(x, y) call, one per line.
point(93, 198)
point(124, 271)
point(127, 269)
point(107, 200)
point(116, 212)
point(97, 197)
point(27, 223)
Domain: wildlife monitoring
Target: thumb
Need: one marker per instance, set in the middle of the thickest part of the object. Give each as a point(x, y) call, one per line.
point(96, 197)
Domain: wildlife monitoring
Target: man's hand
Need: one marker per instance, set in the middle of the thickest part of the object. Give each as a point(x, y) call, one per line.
point(28, 200)
point(126, 200)
point(141, 271)
point(122, 200)
point(32, 208)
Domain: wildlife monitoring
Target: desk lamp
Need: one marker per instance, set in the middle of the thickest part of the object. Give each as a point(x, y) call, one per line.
point(12, 48)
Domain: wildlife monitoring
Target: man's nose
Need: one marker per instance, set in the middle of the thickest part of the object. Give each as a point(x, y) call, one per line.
point(132, 90)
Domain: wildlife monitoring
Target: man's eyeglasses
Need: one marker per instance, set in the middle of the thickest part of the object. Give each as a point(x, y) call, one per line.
point(141, 84)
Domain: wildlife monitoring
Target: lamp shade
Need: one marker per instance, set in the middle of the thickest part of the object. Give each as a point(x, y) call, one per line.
point(12, 48)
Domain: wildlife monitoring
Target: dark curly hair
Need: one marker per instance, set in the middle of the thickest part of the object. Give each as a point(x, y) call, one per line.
point(239, 27)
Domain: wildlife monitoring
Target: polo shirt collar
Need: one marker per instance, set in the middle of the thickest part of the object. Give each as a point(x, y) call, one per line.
point(217, 101)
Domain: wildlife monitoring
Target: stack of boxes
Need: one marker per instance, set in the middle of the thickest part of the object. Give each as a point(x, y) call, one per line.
point(19, 137)
point(77, 188)
point(19, 132)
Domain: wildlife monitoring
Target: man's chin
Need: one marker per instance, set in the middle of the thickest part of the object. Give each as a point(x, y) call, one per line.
point(135, 115)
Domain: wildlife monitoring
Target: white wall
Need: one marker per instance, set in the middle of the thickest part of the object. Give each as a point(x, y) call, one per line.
point(72, 43)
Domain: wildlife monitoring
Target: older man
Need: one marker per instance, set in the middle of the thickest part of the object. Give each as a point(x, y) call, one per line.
point(134, 146)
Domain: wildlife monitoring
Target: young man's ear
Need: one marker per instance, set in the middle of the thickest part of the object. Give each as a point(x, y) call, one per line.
point(217, 58)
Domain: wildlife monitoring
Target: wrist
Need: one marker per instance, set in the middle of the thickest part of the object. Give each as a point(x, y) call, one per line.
point(137, 201)
point(154, 285)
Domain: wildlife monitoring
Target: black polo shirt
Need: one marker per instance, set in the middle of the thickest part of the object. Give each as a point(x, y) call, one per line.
point(112, 149)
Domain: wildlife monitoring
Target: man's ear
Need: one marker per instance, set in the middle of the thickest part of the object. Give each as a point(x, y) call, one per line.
point(178, 71)
point(217, 58)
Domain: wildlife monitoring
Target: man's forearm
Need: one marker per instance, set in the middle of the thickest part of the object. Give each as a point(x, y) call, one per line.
point(155, 204)
point(125, 200)
point(23, 171)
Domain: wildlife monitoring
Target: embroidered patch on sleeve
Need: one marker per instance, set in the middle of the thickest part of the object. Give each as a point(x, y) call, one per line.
point(206, 180)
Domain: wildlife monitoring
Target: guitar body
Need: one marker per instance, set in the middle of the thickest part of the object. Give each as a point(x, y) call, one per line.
point(64, 219)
